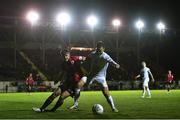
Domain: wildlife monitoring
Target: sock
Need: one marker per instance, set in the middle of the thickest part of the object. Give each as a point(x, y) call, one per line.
point(57, 105)
point(76, 96)
point(148, 91)
point(110, 101)
point(76, 102)
point(47, 102)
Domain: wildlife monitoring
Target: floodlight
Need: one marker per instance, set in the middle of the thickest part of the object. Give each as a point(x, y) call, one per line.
point(139, 24)
point(32, 17)
point(116, 22)
point(92, 21)
point(63, 18)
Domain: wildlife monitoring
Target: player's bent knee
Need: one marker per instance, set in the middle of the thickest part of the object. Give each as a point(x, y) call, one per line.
point(65, 94)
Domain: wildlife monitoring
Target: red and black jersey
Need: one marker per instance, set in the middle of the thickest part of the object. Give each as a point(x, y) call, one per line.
point(72, 67)
point(169, 77)
point(29, 81)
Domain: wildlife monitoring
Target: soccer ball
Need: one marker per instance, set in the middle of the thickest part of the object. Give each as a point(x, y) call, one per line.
point(97, 109)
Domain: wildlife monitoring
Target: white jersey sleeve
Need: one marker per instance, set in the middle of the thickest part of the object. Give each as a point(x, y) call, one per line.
point(109, 59)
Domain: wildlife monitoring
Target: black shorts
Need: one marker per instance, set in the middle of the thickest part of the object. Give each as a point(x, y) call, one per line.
point(169, 83)
point(68, 88)
point(29, 86)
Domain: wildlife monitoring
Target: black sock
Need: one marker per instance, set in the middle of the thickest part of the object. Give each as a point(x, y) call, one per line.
point(77, 93)
point(57, 105)
point(47, 102)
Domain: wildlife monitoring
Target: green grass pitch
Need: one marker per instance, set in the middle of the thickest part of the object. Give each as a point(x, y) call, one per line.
point(129, 103)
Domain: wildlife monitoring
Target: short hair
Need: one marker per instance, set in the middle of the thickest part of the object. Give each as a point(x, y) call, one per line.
point(100, 44)
point(143, 62)
point(169, 70)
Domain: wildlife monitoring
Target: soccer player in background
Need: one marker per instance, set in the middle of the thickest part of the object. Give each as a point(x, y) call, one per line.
point(71, 69)
point(169, 80)
point(99, 62)
point(144, 74)
point(29, 83)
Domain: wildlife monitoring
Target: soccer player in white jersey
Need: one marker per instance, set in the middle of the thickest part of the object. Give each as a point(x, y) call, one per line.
point(144, 74)
point(99, 61)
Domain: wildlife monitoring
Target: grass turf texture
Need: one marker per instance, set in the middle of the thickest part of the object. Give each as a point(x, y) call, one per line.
point(129, 103)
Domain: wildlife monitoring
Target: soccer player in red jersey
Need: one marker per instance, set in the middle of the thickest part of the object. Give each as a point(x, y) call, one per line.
point(29, 83)
point(169, 80)
point(71, 69)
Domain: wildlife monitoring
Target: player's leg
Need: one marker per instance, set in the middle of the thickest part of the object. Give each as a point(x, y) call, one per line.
point(168, 87)
point(147, 88)
point(144, 91)
point(105, 91)
point(109, 98)
point(60, 101)
point(29, 89)
point(148, 92)
point(80, 84)
point(48, 101)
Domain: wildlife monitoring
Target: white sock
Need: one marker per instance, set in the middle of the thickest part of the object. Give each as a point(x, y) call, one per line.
point(76, 102)
point(110, 101)
point(148, 91)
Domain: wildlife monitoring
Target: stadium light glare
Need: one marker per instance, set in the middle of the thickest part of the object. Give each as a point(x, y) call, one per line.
point(92, 21)
point(32, 17)
point(160, 26)
point(139, 24)
point(116, 22)
point(63, 18)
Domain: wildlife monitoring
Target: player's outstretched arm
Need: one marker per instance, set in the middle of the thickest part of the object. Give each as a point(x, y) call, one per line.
point(136, 77)
point(151, 75)
point(112, 62)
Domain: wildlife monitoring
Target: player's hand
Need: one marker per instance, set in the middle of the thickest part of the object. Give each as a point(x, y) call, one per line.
point(153, 80)
point(117, 66)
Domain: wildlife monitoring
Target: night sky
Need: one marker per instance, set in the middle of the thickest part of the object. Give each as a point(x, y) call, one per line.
point(151, 11)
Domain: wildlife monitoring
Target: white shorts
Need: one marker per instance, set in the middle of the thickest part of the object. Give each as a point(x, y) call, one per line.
point(145, 83)
point(84, 79)
point(100, 80)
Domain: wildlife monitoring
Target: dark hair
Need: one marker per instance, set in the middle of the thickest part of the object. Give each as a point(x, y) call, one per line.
point(100, 44)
